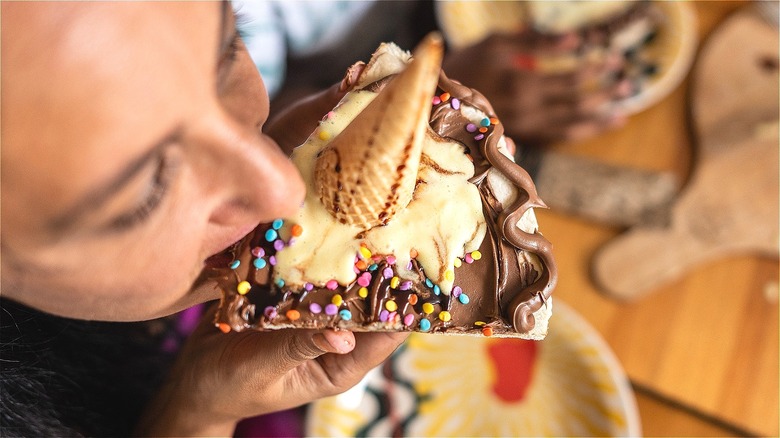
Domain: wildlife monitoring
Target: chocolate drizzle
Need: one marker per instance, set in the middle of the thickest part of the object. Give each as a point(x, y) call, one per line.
point(516, 305)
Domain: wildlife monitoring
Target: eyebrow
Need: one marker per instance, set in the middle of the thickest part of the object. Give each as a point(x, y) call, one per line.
point(94, 199)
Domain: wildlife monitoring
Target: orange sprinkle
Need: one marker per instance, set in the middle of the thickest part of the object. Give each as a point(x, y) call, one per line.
point(360, 264)
point(413, 253)
point(487, 331)
point(444, 96)
point(293, 314)
point(296, 230)
point(483, 129)
point(224, 328)
point(493, 121)
point(363, 244)
point(413, 299)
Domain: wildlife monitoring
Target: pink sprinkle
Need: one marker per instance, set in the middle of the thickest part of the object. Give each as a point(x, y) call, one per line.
point(471, 127)
point(409, 319)
point(356, 270)
point(391, 259)
point(392, 316)
point(315, 308)
point(364, 280)
point(332, 284)
point(272, 260)
point(278, 244)
point(331, 309)
point(479, 137)
point(291, 241)
point(468, 259)
point(330, 115)
point(387, 273)
point(455, 103)
point(406, 285)
point(383, 315)
point(270, 312)
point(258, 252)
point(436, 100)
point(456, 291)
point(308, 286)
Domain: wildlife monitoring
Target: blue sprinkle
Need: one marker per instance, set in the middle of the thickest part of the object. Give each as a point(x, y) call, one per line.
point(280, 282)
point(428, 282)
point(485, 122)
point(436, 289)
point(425, 325)
point(463, 298)
point(345, 314)
point(235, 263)
point(373, 267)
point(271, 235)
point(259, 263)
point(277, 223)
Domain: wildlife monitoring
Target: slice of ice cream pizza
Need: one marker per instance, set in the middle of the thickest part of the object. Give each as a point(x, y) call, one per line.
point(415, 218)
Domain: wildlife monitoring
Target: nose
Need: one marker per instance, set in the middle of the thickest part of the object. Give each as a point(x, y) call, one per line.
point(259, 181)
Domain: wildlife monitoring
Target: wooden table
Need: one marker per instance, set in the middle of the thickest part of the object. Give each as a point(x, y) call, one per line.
point(702, 352)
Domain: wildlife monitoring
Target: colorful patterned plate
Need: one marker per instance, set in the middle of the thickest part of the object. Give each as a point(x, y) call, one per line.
point(570, 384)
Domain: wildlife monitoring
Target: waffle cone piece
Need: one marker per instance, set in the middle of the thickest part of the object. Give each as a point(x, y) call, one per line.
point(368, 172)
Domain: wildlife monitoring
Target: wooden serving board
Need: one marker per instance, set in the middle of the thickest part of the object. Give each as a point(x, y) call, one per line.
point(730, 204)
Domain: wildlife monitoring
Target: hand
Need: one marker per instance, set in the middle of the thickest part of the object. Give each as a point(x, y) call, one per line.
point(537, 105)
point(219, 379)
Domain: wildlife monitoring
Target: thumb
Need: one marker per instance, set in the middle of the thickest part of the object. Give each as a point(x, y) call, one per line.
point(291, 347)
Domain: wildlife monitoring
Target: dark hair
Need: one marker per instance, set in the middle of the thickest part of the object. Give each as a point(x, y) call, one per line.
point(65, 377)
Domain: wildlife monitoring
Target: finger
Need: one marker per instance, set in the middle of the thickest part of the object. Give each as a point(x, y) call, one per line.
point(344, 371)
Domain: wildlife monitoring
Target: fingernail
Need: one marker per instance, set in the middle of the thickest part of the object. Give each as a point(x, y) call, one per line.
point(322, 343)
point(334, 342)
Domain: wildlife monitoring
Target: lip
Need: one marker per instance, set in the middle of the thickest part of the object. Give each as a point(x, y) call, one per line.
point(225, 255)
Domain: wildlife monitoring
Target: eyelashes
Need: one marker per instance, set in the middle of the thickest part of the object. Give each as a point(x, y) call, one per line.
point(157, 191)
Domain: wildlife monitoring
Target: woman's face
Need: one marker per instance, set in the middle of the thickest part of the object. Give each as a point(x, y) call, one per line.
point(131, 152)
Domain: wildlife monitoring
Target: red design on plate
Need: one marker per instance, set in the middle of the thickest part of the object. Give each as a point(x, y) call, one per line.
point(514, 364)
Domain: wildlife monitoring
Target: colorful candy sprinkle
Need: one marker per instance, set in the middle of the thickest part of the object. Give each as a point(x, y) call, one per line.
point(387, 273)
point(308, 286)
point(455, 103)
point(365, 253)
point(363, 292)
point(471, 127)
point(445, 316)
point(296, 230)
point(412, 299)
point(272, 260)
point(332, 285)
point(391, 259)
point(324, 135)
point(278, 244)
point(224, 328)
point(391, 306)
point(487, 331)
point(406, 285)
point(479, 137)
point(345, 314)
point(258, 252)
point(364, 279)
point(277, 224)
point(485, 121)
point(259, 263)
point(337, 300)
point(449, 275)
point(235, 264)
point(373, 267)
point(436, 289)
point(383, 315)
point(479, 323)
point(427, 308)
point(331, 309)
point(243, 287)
point(476, 255)
point(271, 235)
point(270, 312)
point(456, 291)
point(436, 100)
point(409, 319)
point(280, 283)
point(444, 96)
point(293, 315)
point(463, 298)
point(468, 259)
point(361, 265)
point(428, 282)
point(315, 308)
point(425, 325)
point(394, 282)
point(413, 253)
point(457, 263)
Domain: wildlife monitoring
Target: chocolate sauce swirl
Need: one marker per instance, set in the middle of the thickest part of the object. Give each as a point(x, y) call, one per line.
point(517, 306)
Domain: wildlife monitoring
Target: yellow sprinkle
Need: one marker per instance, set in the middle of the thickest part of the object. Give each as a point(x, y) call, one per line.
point(324, 135)
point(394, 282)
point(391, 306)
point(337, 299)
point(427, 308)
point(449, 275)
point(363, 292)
point(365, 253)
point(476, 255)
point(458, 263)
point(479, 323)
point(445, 316)
point(243, 287)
